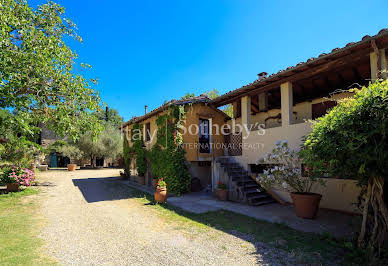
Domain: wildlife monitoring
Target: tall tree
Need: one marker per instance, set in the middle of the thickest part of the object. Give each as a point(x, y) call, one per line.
point(108, 144)
point(187, 96)
point(36, 69)
point(111, 116)
point(212, 94)
point(228, 109)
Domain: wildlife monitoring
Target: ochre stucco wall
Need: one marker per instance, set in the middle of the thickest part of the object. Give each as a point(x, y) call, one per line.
point(193, 114)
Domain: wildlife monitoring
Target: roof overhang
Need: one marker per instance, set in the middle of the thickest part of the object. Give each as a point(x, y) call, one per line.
point(313, 66)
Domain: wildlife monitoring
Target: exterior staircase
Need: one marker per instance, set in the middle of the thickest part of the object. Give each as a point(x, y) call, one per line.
point(242, 188)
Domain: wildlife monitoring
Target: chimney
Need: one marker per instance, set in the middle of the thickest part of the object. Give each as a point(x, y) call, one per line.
point(262, 75)
point(145, 109)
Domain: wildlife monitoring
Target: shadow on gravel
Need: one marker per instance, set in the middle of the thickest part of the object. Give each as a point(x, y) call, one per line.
point(274, 243)
point(99, 189)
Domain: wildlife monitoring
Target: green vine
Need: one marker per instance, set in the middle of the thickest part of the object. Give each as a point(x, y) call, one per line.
point(127, 156)
point(167, 156)
point(140, 152)
point(136, 152)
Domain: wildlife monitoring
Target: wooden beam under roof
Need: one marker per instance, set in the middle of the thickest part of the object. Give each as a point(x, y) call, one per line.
point(305, 69)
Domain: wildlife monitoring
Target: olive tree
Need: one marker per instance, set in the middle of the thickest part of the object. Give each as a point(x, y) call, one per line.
point(107, 144)
point(351, 141)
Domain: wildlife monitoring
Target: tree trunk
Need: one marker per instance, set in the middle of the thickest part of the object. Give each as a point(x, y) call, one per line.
point(361, 237)
point(377, 219)
point(92, 161)
point(380, 226)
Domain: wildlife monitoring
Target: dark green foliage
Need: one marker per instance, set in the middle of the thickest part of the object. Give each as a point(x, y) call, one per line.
point(188, 96)
point(18, 145)
point(127, 156)
point(167, 156)
point(139, 152)
point(111, 116)
point(37, 76)
point(351, 140)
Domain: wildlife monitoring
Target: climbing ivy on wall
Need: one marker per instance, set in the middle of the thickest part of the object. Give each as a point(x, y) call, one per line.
point(127, 156)
point(167, 156)
point(139, 151)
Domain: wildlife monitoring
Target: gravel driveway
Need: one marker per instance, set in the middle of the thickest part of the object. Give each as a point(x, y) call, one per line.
point(92, 221)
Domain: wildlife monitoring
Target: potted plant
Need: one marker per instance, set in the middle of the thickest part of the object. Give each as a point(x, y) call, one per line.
point(154, 182)
point(285, 171)
point(222, 191)
point(15, 177)
point(160, 194)
point(71, 166)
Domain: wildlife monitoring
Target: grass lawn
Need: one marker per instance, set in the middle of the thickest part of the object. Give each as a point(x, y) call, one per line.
point(19, 227)
point(310, 247)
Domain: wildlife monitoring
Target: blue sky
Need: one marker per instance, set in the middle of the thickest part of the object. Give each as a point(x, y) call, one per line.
point(146, 52)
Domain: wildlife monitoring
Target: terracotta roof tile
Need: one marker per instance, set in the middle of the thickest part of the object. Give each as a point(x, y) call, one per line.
point(197, 99)
point(290, 68)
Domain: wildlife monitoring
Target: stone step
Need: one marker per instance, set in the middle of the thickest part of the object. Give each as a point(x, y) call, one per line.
point(263, 202)
point(257, 196)
point(250, 190)
point(242, 182)
point(240, 169)
point(242, 173)
point(230, 164)
point(250, 184)
point(237, 174)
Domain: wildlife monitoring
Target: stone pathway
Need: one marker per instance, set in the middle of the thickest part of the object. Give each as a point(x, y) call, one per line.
point(334, 223)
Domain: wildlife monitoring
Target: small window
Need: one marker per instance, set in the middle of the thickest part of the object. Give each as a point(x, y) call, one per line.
point(148, 132)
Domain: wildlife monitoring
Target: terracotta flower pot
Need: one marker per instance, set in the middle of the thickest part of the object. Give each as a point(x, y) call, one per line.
point(160, 195)
point(306, 204)
point(222, 194)
point(141, 180)
point(13, 187)
point(71, 166)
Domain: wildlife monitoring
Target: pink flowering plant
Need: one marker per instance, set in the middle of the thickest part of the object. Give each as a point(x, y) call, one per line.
point(22, 176)
point(285, 170)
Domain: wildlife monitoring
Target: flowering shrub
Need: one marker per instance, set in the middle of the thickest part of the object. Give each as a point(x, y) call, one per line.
point(221, 185)
point(21, 176)
point(286, 171)
point(161, 183)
